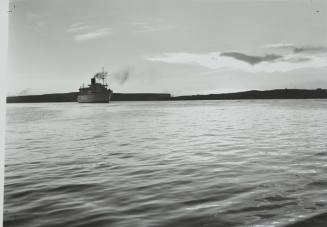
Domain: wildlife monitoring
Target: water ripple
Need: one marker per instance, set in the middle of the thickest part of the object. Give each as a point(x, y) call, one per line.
point(193, 163)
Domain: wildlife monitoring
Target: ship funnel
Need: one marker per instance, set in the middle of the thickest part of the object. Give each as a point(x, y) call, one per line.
point(93, 81)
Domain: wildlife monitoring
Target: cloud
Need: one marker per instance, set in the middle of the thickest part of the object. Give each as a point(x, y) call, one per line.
point(84, 31)
point(92, 35)
point(251, 59)
point(291, 58)
point(79, 27)
point(315, 49)
point(153, 26)
point(279, 45)
point(298, 49)
point(243, 62)
point(296, 59)
point(147, 28)
point(76, 24)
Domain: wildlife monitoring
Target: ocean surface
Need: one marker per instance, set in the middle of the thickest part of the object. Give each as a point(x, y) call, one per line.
point(186, 163)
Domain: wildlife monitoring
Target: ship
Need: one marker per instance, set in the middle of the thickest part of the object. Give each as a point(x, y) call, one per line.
point(97, 91)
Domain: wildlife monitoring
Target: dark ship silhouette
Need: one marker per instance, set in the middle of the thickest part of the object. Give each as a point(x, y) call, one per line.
point(96, 92)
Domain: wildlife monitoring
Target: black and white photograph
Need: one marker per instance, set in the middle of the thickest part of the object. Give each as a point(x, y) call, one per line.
point(165, 113)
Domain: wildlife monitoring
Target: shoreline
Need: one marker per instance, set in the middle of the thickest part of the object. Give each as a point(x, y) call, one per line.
point(252, 94)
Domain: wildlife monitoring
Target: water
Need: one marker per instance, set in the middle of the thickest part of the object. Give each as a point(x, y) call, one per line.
point(192, 163)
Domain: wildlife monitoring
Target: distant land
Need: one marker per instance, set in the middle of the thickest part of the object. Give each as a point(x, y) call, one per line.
point(266, 94)
point(253, 94)
point(72, 97)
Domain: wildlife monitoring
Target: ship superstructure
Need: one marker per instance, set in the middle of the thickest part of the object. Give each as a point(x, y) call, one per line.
point(97, 91)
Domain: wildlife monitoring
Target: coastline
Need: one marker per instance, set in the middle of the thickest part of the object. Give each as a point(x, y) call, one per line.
point(252, 94)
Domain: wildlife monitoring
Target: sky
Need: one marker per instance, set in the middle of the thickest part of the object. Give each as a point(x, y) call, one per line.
point(176, 46)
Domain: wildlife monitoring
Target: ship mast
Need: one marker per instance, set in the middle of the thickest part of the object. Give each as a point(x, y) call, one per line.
point(103, 75)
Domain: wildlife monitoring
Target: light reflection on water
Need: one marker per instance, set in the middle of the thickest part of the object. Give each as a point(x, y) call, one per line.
point(184, 163)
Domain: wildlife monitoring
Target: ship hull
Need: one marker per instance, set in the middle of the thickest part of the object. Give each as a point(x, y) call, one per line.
point(94, 98)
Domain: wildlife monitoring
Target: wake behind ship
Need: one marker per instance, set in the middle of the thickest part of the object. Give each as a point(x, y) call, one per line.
point(96, 92)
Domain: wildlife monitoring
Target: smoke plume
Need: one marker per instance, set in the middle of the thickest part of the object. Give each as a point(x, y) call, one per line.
point(121, 76)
